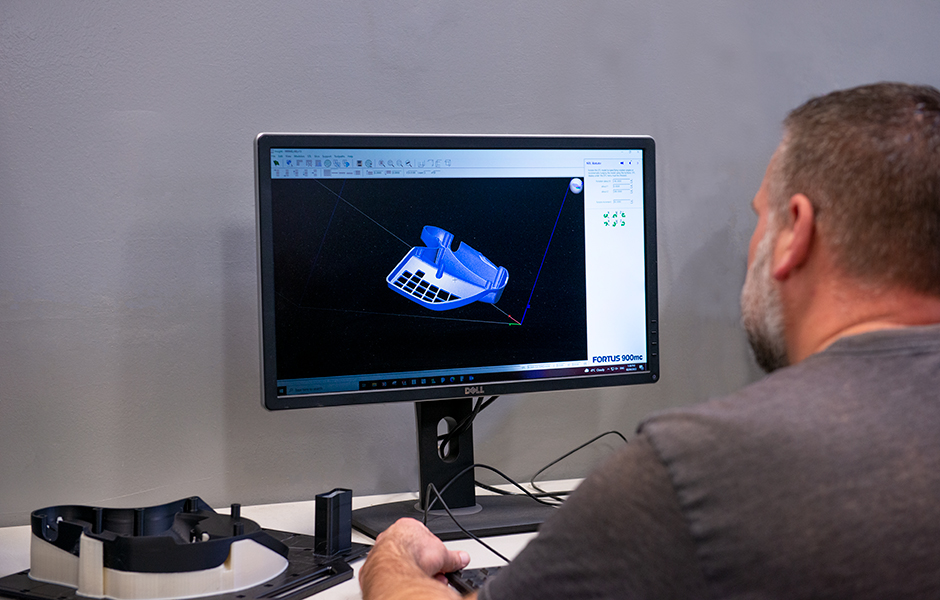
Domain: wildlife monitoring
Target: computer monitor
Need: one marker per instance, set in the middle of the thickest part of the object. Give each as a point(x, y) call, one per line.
point(439, 268)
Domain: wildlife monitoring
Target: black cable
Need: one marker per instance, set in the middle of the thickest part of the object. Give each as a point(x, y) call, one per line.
point(503, 492)
point(439, 498)
point(433, 488)
point(466, 423)
point(462, 426)
point(512, 481)
point(540, 493)
point(566, 455)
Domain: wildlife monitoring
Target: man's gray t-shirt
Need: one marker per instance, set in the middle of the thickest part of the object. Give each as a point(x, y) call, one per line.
point(822, 480)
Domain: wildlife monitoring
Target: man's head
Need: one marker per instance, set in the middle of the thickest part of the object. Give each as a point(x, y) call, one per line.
point(866, 161)
point(868, 158)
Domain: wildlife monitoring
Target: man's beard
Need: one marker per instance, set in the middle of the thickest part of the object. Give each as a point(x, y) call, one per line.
point(762, 309)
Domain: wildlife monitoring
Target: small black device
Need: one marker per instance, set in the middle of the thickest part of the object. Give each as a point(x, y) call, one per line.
point(332, 526)
point(468, 581)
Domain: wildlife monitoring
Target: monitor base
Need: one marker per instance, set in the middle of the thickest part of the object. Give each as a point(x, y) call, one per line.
point(499, 515)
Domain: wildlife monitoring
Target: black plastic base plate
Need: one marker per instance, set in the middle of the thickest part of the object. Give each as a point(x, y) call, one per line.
point(500, 515)
point(306, 574)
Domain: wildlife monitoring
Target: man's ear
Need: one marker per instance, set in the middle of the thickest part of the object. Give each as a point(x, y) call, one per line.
point(795, 240)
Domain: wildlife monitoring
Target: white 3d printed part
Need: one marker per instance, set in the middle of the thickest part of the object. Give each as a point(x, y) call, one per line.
point(182, 549)
point(248, 564)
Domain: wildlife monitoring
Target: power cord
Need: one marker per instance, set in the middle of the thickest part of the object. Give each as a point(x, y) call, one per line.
point(432, 489)
point(466, 423)
point(502, 492)
point(438, 498)
point(540, 493)
point(435, 496)
point(566, 455)
point(470, 468)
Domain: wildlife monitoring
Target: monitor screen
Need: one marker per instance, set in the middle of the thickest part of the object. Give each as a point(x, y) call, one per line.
point(422, 267)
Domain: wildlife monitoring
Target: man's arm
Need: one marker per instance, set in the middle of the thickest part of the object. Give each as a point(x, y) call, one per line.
point(408, 563)
point(621, 534)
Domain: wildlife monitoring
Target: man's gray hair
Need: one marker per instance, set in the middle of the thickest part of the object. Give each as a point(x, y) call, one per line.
point(868, 158)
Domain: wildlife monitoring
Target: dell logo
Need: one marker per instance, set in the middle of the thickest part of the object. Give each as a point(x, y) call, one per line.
point(473, 391)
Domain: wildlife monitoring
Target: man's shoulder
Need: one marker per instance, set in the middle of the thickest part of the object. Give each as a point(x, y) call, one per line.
point(841, 385)
point(839, 447)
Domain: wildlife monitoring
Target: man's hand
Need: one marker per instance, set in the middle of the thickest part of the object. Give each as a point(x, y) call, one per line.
point(408, 561)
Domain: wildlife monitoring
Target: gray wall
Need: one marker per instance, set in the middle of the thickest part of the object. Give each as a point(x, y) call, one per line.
point(128, 327)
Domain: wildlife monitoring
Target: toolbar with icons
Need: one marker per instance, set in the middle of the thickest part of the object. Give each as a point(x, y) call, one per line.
point(307, 163)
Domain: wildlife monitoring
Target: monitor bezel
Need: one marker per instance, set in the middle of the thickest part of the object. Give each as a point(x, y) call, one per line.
point(264, 142)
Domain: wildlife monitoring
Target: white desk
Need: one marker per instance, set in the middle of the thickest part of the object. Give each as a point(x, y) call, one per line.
point(298, 517)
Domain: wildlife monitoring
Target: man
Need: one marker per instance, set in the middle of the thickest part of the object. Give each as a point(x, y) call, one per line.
point(823, 478)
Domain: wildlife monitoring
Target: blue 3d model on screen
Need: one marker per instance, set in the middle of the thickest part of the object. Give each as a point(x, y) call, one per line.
point(438, 278)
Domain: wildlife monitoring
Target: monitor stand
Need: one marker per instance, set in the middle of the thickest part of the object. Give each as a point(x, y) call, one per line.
point(481, 515)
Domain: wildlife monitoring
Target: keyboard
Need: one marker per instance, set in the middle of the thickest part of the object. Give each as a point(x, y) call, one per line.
point(471, 580)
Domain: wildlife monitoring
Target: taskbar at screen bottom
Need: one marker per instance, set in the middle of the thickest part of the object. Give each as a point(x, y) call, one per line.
point(419, 381)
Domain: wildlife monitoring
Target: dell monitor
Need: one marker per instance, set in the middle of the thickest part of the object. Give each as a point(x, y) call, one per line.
point(438, 268)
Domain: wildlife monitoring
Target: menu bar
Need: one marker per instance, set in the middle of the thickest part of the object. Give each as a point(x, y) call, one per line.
point(317, 163)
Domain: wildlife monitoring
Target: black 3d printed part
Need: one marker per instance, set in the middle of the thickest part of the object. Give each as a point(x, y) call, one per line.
point(333, 522)
point(307, 573)
point(182, 536)
point(183, 549)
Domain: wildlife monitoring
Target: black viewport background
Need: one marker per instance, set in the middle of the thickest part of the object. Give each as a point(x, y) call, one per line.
point(334, 312)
